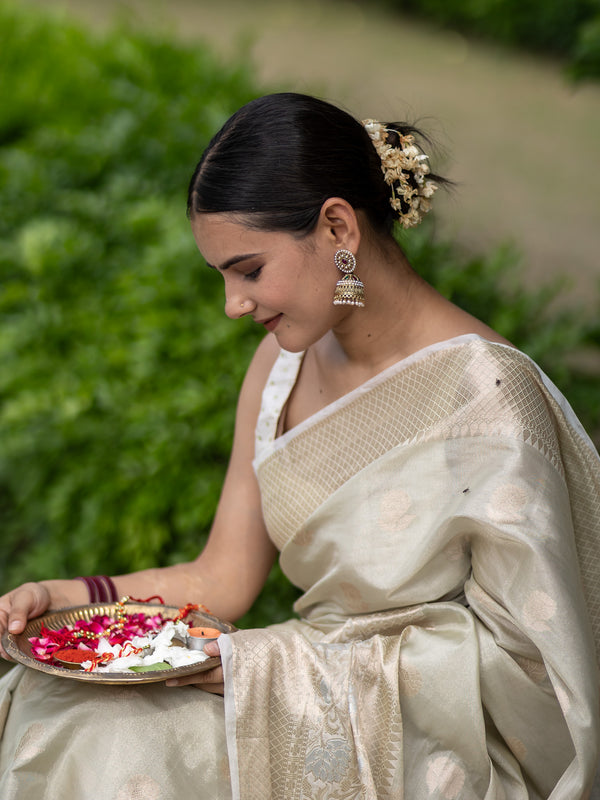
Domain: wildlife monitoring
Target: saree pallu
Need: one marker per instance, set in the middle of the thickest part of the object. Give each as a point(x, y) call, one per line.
point(443, 523)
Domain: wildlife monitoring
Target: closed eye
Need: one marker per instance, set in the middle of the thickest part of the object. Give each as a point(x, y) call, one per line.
point(252, 276)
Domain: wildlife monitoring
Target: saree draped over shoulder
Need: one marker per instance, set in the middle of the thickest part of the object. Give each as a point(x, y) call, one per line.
point(443, 523)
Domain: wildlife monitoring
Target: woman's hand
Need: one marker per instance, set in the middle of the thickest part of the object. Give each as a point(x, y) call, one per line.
point(32, 599)
point(19, 606)
point(210, 681)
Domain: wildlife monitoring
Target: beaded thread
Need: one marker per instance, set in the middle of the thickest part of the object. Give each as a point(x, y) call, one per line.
point(117, 629)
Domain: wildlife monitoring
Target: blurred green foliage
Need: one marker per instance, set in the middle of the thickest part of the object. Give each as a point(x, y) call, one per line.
point(569, 29)
point(118, 369)
point(585, 60)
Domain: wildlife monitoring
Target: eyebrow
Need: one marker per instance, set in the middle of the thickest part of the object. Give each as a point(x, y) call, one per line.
point(234, 260)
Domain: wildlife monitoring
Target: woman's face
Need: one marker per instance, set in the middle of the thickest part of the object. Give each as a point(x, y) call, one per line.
point(284, 283)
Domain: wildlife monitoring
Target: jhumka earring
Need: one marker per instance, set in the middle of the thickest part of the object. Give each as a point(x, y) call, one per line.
point(349, 290)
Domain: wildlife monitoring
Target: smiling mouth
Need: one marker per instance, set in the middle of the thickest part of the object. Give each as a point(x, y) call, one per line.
point(271, 323)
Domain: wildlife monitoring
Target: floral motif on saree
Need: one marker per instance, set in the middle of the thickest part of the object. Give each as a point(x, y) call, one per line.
point(442, 522)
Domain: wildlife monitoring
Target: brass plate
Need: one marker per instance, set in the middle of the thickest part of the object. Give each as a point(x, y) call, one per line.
point(19, 647)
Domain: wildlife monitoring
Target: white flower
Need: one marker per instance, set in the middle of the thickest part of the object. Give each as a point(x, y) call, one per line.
point(397, 165)
point(156, 649)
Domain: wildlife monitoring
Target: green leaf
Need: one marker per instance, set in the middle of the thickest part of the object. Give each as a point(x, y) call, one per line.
point(151, 667)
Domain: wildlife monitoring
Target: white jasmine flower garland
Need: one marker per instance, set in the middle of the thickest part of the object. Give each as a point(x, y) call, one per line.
point(155, 649)
point(399, 165)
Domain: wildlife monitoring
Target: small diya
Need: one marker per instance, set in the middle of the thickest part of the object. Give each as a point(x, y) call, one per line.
point(198, 637)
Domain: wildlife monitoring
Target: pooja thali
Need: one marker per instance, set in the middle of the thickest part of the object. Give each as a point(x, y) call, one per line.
point(19, 647)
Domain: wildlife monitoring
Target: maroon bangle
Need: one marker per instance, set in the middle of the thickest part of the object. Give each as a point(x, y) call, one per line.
point(101, 588)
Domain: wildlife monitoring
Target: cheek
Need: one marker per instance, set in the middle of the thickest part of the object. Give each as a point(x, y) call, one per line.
point(318, 275)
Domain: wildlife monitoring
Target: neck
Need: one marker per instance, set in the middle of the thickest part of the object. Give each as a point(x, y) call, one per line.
point(391, 324)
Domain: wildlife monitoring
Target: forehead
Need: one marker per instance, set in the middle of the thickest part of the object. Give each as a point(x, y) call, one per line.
point(221, 237)
point(211, 229)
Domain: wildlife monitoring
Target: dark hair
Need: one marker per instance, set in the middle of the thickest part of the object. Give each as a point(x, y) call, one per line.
point(281, 156)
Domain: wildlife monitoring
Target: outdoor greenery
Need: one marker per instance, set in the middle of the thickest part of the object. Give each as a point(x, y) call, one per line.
point(118, 369)
point(569, 29)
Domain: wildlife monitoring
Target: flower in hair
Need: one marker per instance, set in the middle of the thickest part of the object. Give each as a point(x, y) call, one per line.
point(405, 169)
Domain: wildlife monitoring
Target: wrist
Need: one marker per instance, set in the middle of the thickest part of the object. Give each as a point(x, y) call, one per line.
point(101, 588)
point(65, 593)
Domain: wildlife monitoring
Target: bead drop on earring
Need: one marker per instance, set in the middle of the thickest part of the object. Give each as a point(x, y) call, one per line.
point(349, 290)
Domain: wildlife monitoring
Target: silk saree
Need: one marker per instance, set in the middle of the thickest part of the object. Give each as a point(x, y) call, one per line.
point(442, 522)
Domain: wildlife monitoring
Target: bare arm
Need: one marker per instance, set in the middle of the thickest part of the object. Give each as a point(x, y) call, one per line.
point(230, 571)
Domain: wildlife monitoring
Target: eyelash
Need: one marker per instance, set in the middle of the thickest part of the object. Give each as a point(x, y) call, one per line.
point(253, 276)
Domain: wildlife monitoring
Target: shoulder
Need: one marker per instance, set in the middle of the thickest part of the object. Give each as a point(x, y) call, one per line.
point(514, 372)
point(261, 365)
point(509, 395)
point(257, 374)
point(494, 367)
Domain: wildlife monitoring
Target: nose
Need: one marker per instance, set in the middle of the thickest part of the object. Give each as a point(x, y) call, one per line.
point(237, 306)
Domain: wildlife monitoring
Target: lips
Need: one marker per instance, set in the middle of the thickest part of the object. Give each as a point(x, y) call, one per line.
point(271, 323)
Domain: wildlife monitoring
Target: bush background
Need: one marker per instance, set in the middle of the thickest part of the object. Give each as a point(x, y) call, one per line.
point(118, 369)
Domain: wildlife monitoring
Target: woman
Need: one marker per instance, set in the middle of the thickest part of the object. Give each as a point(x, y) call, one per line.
point(425, 485)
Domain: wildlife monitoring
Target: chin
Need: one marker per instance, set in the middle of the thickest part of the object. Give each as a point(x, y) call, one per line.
point(296, 338)
point(290, 347)
point(293, 342)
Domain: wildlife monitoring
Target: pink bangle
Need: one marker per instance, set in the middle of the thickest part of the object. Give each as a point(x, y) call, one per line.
point(101, 588)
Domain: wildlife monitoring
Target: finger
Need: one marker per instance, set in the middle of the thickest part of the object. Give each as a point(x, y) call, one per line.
point(23, 603)
point(213, 688)
point(212, 649)
point(214, 675)
point(4, 627)
point(203, 680)
point(18, 606)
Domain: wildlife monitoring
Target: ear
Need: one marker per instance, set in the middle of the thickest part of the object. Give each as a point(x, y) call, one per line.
point(338, 224)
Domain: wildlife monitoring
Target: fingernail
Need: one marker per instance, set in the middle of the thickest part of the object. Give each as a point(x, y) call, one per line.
point(14, 626)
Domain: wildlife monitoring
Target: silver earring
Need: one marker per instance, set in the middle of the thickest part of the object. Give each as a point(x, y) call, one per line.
point(349, 290)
